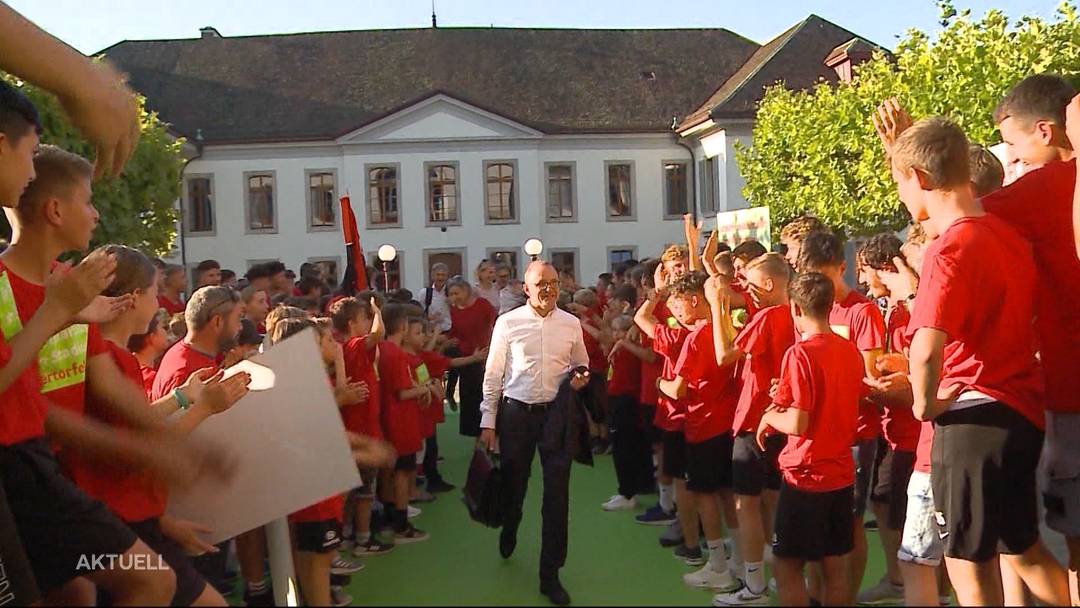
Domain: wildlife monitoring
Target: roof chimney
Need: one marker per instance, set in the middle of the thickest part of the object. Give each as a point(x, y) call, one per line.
point(209, 32)
point(844, 57)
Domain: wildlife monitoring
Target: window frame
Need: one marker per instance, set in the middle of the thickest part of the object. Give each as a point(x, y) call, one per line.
point(710, 187)
point(666, 194)
point(189, 230)
point(546, 202)
point(515, 205)
point(611, 248)
point(275, 201)
point(368, 168)
point(428, 222)
point(632, 216)
point(461, 251)
point(519, 272)
point(330, 258)
point(308, 173)
point(577, 259)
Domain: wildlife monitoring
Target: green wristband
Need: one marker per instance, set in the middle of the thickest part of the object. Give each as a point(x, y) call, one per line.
point(181, 401)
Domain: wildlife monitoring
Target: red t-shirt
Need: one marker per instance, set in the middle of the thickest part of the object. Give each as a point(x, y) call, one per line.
point(598, 362)
point(177, 366)
point(624, 374)
point(899, 426)
point(765, 339)
point(821, 375)
point(648, 394)
point(472, 325)
point(751, 308)
point(330, 508)
point(1039, 207)
point(148, 375)
point(133, 495)
point(926, 442)
point(668, 343)
point(22, 406)
point(401, 418)
point(859, 320)
point(171, 306)
point(985, 312)
point(711, 393)
point(437, 365)
point(362, 418)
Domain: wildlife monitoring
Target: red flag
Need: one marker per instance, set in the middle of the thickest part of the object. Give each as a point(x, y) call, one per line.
point(355, 268)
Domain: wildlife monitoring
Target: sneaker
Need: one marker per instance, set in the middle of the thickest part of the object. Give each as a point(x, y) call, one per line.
point(742, 597)
point(372, 548)
point(870, 525)
point(672, 537)
point(265, 597)
point(692, 557)
point(439, 486)
point(411, 535)
point(450, 404)
point(413, 512)
point(656, 516)
point(723, 582)
point(422, 496)
point(884, 591)
point(338, 597)
point(340, 565)
point(619, 502)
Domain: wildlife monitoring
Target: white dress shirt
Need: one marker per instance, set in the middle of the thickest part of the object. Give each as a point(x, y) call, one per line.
point(529, 358)
point(439, 311)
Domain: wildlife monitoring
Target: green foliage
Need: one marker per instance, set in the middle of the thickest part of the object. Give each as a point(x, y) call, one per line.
point(137, 209)
point(816, 151)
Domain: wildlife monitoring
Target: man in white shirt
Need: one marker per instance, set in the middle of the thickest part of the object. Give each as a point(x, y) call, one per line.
point(533, 350)
point(434, 297)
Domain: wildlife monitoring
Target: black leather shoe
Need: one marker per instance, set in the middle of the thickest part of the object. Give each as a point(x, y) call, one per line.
point(555, 592)
point(507, 543)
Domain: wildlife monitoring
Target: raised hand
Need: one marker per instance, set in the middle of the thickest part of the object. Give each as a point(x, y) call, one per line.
point(890, 121)
point(220, 395)
point(903, 282)
point(712, 245)
point(105, 110)
point(692, 232)
point(353, 392)
point(74, 290)
point(186, 534)
point(103, 309)
point(660, 278)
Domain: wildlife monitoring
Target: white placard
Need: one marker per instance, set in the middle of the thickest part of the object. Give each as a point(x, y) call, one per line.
point(289, 443)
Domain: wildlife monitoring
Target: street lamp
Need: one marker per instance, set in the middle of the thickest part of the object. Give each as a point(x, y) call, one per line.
point(387, 253)
point(533, 247)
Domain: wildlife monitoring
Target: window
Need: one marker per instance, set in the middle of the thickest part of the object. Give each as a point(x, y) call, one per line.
point(565, 261)
point(618, 255)
point(200, 204)
point(442, 191)
point(620, 190)
point(382, 199)
point(676, 198)
point(499, 192)
point(377, 278)
point(561, 202)
point(453, 258)
point(261, 208)
point(322, 199)
point(709, 185)
point(507, 257)
point(328, 267)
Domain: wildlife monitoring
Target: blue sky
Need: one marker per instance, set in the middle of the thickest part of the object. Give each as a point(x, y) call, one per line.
point(91, 25)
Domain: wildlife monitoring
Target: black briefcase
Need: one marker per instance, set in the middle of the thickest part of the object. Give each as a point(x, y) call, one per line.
point(484, 489)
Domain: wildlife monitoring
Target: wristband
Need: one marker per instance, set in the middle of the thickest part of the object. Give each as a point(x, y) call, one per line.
point(181, 401)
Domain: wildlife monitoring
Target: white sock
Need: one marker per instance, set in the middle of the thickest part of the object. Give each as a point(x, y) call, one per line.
point(667, 497)
point(362, 537)
point(755, 577)
point(736, 553)
point(717, 559)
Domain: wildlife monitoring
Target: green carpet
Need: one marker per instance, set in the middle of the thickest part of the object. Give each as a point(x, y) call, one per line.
point(612, 560)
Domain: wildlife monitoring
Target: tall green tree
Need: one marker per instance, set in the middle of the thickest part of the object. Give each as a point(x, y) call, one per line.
point(816, 152)
point(137, 209)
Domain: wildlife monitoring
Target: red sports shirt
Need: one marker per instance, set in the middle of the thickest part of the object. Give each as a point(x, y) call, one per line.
point(648, 394)
point(899, 426)
point(177, 366)
point(668, 343)
point(401, 418)
point(437, 365)
point(624, 374)
point(171, 306)
point(765, 339)
point(472, 325)
point(859, 320)
point(363, 417)
point(711, 390)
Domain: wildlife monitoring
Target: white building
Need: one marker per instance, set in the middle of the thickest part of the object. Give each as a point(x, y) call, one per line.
point(459, 144)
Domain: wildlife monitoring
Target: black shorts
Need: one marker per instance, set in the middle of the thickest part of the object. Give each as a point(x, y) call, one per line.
point(674, 454)
point(983, 477)
point(708, 464)
point(58, 524)
point(814, 525)
point(752, 469)
point(189, 583)
point(19, 587)
point(648, 423)
point(318, 536)
point(865, 453)
point(406, 462)
point(892, 471)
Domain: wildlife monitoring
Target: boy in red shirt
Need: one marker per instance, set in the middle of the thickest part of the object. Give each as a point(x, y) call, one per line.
point(974, 372)
point(630, 448)
point(760, 346)
point(815, 405)
point(708, 393)
point(856, 318)
point(795, 232)
point(584, 307)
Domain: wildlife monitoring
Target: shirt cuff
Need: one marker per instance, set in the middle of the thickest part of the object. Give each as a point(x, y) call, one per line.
point(487, 420)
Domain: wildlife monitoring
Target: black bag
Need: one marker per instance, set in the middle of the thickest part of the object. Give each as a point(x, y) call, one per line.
point(484, 489)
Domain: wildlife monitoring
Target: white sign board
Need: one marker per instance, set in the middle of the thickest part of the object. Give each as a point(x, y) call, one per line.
point(289, 442)
point(734, 227)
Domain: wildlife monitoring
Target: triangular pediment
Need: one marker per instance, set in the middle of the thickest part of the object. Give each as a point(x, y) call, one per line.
point(439, 118)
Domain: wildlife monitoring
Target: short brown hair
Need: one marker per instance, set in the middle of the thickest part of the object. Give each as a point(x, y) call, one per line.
point(813, 292)
point(345, 310)
point(798, 228)
point(586, 297)
point(987, 174)
point(916, 234)
point(247, 294)
point(282, 313)
point(748, 250)
point(287, 328)
point(772, 264)
point(133, 271)
point(674, 252)
point(207, 303)
point(57, 172)
point(692, 283)
point(1037, 97)
point(879, 250)
point(938, 148)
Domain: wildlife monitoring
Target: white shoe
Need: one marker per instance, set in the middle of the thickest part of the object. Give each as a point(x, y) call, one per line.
point(619, 502)
point(723, 582)
point(414, 512)
point(742, 597)
point(772, 585)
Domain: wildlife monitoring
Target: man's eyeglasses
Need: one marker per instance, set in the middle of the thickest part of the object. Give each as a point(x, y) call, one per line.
point(553, 284)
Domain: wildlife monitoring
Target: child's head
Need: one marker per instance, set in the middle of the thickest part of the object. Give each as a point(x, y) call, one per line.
point(20, 127)
point(395, 319)
point(352, 317)
point(603, 281)
point(256, 304)
point(310, 287)
point(1031, 119)
point(744, 252)
point(767, 278)
point(136, 275)
point(875, 255)
point(824, 253)
point(282, 313)
point(458, 291)
point(811, 296)
point(930, 158)
point(620, 325)
point(795, 232)
point(154, 341)
point(623, 298)
point(208, 272)
point(327, 346)
point(987, 173)
point(686, 299)
point(288, 327)
point(59, 199)
point(584, 302)
point(641, 276)
point(676, 261)
point(415, 338)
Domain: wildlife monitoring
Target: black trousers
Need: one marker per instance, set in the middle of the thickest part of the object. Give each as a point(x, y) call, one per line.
point(521, 431)
point(431, 458)
point(630, 449)
point(471, 386)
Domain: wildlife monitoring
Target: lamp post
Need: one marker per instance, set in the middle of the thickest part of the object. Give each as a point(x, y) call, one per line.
point(533, 247)
point(387, 253)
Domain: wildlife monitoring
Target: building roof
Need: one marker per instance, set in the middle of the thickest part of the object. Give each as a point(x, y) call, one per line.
point(318, 86)
point(796, 57)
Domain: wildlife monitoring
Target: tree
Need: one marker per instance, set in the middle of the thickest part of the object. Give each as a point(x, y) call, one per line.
point(138, 208)
point(816, 151)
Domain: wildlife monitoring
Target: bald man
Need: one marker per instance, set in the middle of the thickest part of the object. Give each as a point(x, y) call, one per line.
point(534, 349)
